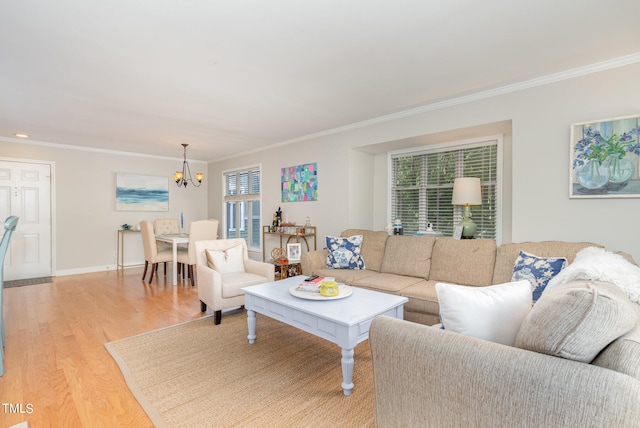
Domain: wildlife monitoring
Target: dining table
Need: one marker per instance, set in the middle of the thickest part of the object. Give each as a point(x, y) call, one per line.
point(174, 239)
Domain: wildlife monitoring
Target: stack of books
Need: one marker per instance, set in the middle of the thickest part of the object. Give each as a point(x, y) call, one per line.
point(311, 286)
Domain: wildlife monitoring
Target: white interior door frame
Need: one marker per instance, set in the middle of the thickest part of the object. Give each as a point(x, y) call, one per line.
point(52, 206)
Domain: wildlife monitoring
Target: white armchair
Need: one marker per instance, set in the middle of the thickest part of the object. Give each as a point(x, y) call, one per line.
point(224, 267)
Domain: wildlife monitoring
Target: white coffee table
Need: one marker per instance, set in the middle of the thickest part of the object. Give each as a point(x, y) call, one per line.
point(344, 322)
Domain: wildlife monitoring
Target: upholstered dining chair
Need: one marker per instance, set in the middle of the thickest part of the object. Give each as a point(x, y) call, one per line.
point(165, 226)
point(224, 267)
point(154, 255)
point(201, 230)
point(9, 227)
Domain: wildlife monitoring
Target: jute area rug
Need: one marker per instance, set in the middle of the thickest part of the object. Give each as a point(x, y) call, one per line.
point(200, 374)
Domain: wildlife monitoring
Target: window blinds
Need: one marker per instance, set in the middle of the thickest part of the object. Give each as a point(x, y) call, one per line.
point(242, 205)
point(422, 187)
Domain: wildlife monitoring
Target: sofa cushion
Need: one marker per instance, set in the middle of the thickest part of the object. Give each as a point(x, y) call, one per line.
point(492, 313)
point(226, 261)
point(408, 255)
point(373, 244)
point(537, 270)
point(623, 354)
point(577, 320)
point(420, 317)
point(347, 276)
point(233, 283)
point(422, 298)
point(507, 254)
point(344, 252)
point(386, 282)
point(463, 261)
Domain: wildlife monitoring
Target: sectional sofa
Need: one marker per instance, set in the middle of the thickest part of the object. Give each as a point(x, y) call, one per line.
point(410, 266)
point(575, 362)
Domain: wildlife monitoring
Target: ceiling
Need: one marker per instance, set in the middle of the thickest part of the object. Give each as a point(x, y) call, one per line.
point(230, 77)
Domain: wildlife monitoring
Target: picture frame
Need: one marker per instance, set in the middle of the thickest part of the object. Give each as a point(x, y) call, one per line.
point(299, 183)
point(293, 252)
point(457, 231)
point(605, 158)
point(141, 193)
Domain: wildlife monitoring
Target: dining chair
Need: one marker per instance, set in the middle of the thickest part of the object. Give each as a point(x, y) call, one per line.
point(201, 230)
point(224, 267)
point(165, 226)
point(154, 255)
point(9, 227)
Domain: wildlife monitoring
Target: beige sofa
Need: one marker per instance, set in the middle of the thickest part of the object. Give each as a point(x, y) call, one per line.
point(410, 266)
point(425, 376)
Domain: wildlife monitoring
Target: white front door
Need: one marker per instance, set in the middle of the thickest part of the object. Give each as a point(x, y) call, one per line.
point(25, 191)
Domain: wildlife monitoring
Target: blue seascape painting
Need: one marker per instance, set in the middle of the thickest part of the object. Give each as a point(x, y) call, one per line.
point(142, 193)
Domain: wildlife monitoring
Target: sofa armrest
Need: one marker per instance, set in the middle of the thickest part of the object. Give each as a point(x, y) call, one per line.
point(313, 260)
point(260, 268)
point(424, 376)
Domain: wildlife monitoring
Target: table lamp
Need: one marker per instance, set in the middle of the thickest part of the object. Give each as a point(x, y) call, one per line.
point(466, 191)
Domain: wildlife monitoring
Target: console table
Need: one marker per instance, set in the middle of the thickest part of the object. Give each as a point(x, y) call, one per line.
point(290, 232)
point(120, 247)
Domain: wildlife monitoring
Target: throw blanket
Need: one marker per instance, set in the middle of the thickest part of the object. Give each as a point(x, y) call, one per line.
point(598, 264)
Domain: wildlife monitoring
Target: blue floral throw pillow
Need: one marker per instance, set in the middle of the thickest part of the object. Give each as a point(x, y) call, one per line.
point(344, 253)
point(537, 270)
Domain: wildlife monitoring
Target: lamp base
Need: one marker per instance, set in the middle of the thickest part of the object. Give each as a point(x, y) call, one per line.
point(468, 226)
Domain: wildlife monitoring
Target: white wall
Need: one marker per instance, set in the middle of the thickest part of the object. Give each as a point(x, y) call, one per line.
point(86, 220)
point(353, 172)
point(537, 177)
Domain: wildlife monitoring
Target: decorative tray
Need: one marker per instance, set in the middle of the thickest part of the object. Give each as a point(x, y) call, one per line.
point(345, 291)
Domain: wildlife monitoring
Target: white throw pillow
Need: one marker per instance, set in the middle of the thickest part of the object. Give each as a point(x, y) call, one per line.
point(230, 260)
point(492, 313)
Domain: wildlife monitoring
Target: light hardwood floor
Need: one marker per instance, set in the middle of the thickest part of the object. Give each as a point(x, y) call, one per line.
point(57, 370)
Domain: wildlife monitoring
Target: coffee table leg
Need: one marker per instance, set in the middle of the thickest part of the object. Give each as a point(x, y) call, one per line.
point(347, 371)
point(251, 322)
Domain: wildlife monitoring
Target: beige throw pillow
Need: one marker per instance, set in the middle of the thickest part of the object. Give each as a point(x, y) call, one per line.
point(230, 260)
point(577, 320)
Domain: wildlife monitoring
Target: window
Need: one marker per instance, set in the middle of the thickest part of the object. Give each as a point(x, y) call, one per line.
point(242, 206)
point(422, 186)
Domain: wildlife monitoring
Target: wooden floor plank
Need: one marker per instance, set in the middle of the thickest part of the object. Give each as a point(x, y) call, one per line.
point(55, 360)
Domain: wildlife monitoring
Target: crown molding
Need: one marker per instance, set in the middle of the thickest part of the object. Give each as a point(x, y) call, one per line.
point(437, 105)
point(477, 96)
point(94, 149)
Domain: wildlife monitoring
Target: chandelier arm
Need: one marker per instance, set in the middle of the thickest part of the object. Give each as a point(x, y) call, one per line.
point(190, 178)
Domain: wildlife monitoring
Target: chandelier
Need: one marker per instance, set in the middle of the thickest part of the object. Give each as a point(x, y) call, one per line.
point(181, 178)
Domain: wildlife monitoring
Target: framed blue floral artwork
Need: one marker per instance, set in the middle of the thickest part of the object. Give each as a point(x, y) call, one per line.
point(605, 159)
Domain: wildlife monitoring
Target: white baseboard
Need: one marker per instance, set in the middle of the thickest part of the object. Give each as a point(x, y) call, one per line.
point(93, 269)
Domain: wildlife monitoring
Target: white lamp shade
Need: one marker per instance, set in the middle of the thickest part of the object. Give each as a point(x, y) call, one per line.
point(466, 191)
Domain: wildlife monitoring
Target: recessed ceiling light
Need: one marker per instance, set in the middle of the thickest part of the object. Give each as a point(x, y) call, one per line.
point(19, 135)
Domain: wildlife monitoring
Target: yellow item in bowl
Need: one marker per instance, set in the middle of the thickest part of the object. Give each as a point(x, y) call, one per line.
point(329, 287)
